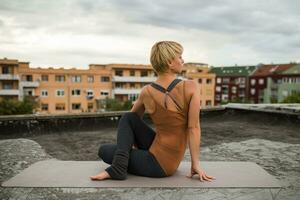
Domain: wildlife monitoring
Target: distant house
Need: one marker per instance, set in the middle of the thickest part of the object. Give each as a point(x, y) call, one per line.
point(231, 83)
point(273, 82)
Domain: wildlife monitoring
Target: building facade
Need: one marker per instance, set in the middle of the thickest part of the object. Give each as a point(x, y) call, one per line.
point(199, 72)
point(273, 82)
point(60, 90)
point(231, 83)
point(9, 78)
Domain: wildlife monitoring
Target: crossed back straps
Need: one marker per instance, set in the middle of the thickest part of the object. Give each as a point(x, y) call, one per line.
point(167, 92)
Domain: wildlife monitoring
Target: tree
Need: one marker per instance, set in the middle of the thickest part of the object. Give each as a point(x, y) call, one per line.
point(273, 99)
point(15, 107)
point(295, 98)
point(115, 105)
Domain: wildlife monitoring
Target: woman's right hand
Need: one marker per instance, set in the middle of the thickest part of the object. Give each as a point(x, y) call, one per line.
point(202, 175)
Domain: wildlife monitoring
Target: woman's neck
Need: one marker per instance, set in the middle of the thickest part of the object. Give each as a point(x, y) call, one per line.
point(165, 77)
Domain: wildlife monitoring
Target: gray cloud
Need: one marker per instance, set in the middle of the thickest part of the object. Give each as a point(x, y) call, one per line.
point(264, 29)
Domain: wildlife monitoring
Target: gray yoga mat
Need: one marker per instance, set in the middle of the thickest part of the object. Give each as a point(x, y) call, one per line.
point(54, 173)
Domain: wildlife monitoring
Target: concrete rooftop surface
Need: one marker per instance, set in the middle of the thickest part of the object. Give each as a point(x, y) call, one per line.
point(271, 140)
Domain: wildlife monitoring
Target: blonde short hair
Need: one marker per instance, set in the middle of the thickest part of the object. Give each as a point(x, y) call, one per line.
point(162, 53)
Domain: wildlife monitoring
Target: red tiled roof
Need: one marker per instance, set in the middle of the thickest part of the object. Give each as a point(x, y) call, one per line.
point(270, 69)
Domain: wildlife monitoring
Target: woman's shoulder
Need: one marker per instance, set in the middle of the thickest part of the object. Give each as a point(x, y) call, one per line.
point(191, 86)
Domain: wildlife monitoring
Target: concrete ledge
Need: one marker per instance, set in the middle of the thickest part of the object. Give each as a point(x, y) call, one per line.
point(288, 109)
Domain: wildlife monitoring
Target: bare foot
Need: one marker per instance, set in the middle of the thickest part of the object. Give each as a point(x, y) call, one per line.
point(102, 176)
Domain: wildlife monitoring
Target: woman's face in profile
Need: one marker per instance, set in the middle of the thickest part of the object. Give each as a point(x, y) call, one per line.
point(177, 63)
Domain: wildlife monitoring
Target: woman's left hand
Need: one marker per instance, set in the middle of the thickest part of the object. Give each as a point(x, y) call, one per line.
point(202, 175)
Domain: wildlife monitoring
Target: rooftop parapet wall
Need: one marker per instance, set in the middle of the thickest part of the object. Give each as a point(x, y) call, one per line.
point(29, 125)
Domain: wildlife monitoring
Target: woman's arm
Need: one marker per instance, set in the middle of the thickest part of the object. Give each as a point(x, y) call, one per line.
point(194, 131)
point(194, 136)
point(138, 106)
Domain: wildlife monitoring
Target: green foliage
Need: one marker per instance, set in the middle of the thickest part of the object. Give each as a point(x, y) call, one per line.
point(292, 98)
point(15, 107)
point(115, 105)
point(273, 99)
point(223, 102)
point(127, 105)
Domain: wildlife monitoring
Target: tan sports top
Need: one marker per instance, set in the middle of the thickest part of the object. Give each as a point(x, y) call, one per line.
point(170, 140)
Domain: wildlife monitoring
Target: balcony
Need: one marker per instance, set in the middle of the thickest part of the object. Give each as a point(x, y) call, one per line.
point(9, 92)
point(126, 91)
point(32, 84)
point(133, 79)
point(9, 77)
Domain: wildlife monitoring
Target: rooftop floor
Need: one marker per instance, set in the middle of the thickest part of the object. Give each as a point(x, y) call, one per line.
point(270, 141)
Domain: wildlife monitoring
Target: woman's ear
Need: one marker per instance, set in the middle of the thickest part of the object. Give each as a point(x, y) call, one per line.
point(170, 63)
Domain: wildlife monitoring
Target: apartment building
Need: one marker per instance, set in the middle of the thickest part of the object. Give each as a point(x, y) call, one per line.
point(200, 72)
point(128, 80)
point(273, 82)
point(60, 90)
point(9, 78)
point(232, 83)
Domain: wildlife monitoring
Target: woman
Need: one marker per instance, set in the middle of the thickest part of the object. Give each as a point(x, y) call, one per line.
point(174, 107)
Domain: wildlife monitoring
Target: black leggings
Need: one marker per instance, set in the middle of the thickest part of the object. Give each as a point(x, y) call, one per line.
point(122, 158)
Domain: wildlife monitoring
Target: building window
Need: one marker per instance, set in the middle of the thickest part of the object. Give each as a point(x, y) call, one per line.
point(60, 106)
point(76, 79)
point(261, 81)
point(76, 106)
point(76, 92)
point(233, 89)
point(60, 93)
point(219, 80)
point(119, 72)
point(294, 92)
point(90, 79)
point(7, 85)
point(285, 93)
point(224, 89)
point(27, 78)
point(104, 78)
point(253, 81)
point(60, 78)
point(45, 78)
point(132, 97)
point(224, 97)
point(218, 97)
point(44, 93)
point(132, 85)
point(7, 70)
point(44, 107)
point(208, 103)
point(90, 93)
point(104, 93)
point(144, 73)
point(119, 85)
point(208, 81)
point(200, 81)
point(226, 80)
point(90, 106)
point(242, 80)
point(132, 73)
point(218, 89)
point(252, 91)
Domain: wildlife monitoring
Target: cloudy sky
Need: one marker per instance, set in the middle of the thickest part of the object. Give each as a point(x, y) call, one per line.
point(75, 33)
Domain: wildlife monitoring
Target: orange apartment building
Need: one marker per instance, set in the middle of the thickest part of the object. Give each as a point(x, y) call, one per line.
point(199, 72)
point(60, 90)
